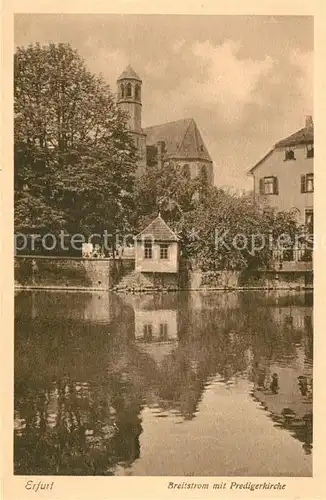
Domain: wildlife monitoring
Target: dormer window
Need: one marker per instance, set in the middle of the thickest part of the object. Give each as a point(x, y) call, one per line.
point(289, 154)
point(310, 151)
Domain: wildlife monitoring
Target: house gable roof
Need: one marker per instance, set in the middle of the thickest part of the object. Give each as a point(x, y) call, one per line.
point(157, 230)
point(302, 136)
point(182, 139)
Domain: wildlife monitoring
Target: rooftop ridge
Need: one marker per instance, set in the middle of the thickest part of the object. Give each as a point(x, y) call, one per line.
point(184, 135)
point(169, 123)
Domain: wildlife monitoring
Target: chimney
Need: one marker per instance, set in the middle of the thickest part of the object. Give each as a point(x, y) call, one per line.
point(309, 121)
point(160, 152)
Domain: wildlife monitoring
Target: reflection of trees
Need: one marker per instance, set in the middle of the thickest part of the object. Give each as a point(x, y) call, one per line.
point(276, 343)
point(83, 428)
point(77, 407)
point(209, 345)
point(80, 385)
point(216, 340)
point(297, 422)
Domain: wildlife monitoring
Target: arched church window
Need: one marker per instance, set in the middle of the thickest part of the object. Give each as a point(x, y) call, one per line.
point(122, 91)
point(137, 92)
point(129, 94)
point(203, 173)
point(186, 171)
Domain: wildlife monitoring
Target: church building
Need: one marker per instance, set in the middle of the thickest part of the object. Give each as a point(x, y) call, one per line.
point(179, 141)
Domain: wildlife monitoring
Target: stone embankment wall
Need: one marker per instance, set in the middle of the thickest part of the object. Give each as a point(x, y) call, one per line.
point(72, 272)
point(104, 274)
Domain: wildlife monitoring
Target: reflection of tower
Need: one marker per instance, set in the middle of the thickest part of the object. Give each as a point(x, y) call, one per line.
point(129, 101)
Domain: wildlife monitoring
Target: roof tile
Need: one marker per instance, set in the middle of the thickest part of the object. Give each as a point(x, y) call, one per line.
point(302, 136)
point(182, 139)
point(158, 230)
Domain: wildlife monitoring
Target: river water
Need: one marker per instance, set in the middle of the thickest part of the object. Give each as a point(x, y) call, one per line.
point(186, 383)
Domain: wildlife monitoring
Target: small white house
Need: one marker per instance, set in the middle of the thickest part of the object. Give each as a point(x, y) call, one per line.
point(157, 249)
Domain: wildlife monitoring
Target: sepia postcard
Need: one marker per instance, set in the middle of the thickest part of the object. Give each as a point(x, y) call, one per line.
point(162, 259)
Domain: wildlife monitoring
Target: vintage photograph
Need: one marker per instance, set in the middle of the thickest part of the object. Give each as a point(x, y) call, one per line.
point(164, 239)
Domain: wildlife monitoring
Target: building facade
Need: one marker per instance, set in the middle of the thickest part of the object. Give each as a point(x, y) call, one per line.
point(157, 249)
point(284, 177)
point(284, 180)
point(179, 142)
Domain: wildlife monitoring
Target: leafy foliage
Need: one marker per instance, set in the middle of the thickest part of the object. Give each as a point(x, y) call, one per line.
point(74, 158)
point(213, 225)
point(230, 232)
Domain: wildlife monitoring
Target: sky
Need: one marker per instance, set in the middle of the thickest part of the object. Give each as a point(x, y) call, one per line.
point(246, 80)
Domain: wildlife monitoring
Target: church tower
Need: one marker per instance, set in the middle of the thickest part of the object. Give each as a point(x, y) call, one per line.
point(129, 100)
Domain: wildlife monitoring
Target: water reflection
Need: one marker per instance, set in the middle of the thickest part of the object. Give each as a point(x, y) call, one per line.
point(88, 365)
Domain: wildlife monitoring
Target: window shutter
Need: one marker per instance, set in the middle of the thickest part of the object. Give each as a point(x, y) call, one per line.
point(303, 183)
point(261, 185)
point(275, 185)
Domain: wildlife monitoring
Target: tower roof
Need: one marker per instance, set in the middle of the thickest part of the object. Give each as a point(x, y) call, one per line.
point(129, 74)
point(182, 139)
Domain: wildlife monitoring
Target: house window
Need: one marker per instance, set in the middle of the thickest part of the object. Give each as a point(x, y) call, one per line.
point(307, 183)
point(309, 218)
point(122, 91)
point(310, 151)
point(163, 331)
point(289, 154)
point(164, 251)
point(148, 331)
point(129, 90)
point(148, 251)
point(269, 185)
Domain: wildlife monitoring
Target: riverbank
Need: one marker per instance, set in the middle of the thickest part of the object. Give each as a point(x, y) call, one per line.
point(78, 274)
point(158, 290)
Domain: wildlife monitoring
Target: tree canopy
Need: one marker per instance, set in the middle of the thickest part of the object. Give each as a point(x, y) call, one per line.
point(75, 164)
point(217, 229)
point(74, 158)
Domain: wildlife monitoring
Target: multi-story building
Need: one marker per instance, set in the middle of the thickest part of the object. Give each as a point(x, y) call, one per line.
point(284, 180)
point(284, 177)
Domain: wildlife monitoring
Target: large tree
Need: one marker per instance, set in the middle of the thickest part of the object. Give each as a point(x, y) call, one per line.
point(227, 231)
point(213, 224)
point(165, 189)
point(74, 158)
